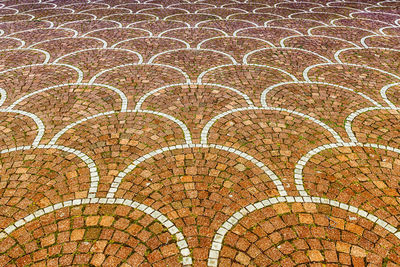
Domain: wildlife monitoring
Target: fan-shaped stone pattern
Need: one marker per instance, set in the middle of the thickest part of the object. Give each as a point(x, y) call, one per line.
point(192, 19)
point(103, 12)
point(302, 6)
point(245, 6)
point(307, 234)
point(60, 47)
point(367, 178)
point(359, 78)
point(276, 138)
point(15, 58)
point(393, 95)
point(86, 26)
point(321, 45)
point(16, 130)
point(37, 178)
point(61, 19)
point(190, 8)
point(259, 19)
point(228, 26)
point(40, 35)
point(126, 19)
point(193, 36)
point(271, 34)
point(78, 7)
point(368, 24)
point(294, 61)
point(93, 234)
point(222, 12)
point(23, 81)
point(235, 46)
point(378, 127)
point(159, 26)
point(383, 41)
point(46, 13)
point(32, 6)
point(10, 43)
point(301, 25)
point(17, 17)
point(114, 141)
point(59, 107)
point(345, 11)
point(113, 36)
point(345, 33)
point(198, 189)
point(388, 18)
point(384, 59)
point(329, 104)
point(137, 7)
point(194, 105)
point(150, 46)
point(162, 13)
point(193, 62)
point(251, 80)
point(95, 60)
point(15, 26)
point(318, 16)
point(284, 12)
point(395, 9)
point(139, 80)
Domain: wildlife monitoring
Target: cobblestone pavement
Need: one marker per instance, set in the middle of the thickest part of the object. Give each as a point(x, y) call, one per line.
point(199, 133)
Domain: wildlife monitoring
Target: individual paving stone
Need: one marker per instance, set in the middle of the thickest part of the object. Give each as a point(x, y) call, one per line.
point(389, 18)
point(37, 178)
point(126, 19)
point(198, 189)
point(95, 235)
point(368, 24)
point(40, 35)
point(194, 105)
point(193, 36)
point(324, 46)
point(327, 103)
point(235, 46)
point(86, 26)
point(16, 17)
point(380, 58)
point(251, 80)
point(223, 12)
point(276, 138)
point(22, 81)
point(192, 19)
point(285, 12)
point(16, 130)
point(378, 127)
point(59, 107)
point(271, 34)
point(150, 46)
point(102, 12)
point(345, 33)
point(60, 47)
point(318, 16)
point(15, 58)
point(41, 13)
point(193, 62)
point(113, 36)
point(12, 27)
point(291, 60)
point(114, 141)
point(259, 19)
point(95, 60)
point(228, 26)
point(301, 25)
point(159, 26)
point(162, 13)
point(61, 19)
point(384, 41)
point(366, 178)
point(137, 80)
point(307, 234)
point(359, 78)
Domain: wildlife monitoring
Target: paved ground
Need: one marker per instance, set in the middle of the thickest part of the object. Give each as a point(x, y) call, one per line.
point(215, 132)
